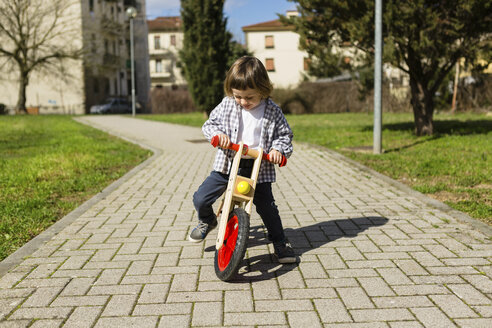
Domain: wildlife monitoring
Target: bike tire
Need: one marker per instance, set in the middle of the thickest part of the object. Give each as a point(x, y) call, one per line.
point(228, 258)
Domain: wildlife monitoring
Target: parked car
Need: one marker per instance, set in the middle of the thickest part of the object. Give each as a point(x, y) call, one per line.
point(114, 106)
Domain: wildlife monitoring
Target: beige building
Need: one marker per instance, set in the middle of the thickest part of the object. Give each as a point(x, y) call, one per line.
point(165, 41)
point(277, 46)
point(102, 28)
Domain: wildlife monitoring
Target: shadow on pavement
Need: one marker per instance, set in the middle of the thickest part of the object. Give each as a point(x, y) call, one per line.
point(265, 266)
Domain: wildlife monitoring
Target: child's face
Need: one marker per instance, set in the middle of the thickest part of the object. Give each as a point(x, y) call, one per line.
point(247, 99)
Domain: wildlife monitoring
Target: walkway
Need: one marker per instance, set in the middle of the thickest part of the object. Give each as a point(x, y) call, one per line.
point(373, 252)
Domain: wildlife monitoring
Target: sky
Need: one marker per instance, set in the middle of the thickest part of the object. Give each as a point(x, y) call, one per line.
point(239, 13)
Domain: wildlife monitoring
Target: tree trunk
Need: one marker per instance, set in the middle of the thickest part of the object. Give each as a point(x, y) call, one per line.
point(423, 108)
point(21, 102)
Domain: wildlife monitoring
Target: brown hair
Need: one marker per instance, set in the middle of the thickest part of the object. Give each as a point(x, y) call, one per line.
point(248, 72)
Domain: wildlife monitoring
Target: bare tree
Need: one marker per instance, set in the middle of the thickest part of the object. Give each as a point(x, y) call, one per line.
point(38, 35)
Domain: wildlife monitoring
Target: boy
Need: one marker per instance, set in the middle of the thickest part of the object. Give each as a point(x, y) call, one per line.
point(246, 113)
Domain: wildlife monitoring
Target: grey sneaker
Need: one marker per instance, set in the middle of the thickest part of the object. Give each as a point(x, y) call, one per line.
point(285, 253)
point(201, 231)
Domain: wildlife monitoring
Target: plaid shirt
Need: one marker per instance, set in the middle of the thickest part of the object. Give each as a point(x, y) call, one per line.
point(275, 134)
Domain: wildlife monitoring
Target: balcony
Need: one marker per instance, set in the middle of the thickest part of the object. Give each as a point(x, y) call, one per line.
point(113, 61)
point(111, 27)
point(160, 75)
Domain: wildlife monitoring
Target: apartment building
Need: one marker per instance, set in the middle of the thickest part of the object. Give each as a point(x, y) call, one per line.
point(107, 65)
point(104, 69)
point(277, 46)
point(165, 40)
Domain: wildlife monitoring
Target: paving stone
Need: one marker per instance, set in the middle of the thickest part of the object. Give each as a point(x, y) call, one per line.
point(15, 323)
point(381, 315)
point(175, 321)
point(469, 294)
point(154, 293)
point(161, 309)
point(303, 319)
point(120, 305)
point(376, 287)
point(83, 317)
point(402, 301)
point(42, 296)
point(480, 282)
point(238, 301)
point(143, 322)
point(331, 310)
point(432, 317)
point(79, 300)
point(41, 313)
point(355, 298)
point(405, 324)
point(453, 306)
point(207, 314)
point(47, 323)
point(475, 323)
point(253, 318)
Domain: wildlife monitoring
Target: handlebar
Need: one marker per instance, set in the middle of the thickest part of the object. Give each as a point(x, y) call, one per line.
point(247, 151)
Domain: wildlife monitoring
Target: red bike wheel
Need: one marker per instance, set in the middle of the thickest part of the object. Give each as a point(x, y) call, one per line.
point(229, 256)
point(230, 238)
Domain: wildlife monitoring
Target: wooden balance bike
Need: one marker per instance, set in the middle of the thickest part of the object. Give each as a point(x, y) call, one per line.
point(235, 210)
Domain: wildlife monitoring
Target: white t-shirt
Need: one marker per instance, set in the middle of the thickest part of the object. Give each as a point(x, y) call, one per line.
point(250, 125)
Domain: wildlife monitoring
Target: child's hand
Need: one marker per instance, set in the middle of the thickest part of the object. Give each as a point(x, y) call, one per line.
point(275, 156)
point(224, 141)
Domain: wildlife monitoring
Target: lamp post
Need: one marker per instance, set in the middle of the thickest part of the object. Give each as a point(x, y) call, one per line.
point(131, 12)
point(377, 147)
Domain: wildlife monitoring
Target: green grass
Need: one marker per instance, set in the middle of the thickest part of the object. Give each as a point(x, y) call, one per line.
point(454, 165)
point(49, 165)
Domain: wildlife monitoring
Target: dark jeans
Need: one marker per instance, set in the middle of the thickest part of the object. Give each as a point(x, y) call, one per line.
point(215, 185)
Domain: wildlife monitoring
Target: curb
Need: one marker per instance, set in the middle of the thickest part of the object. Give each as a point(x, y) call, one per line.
point(34, 244)
point(460, 216)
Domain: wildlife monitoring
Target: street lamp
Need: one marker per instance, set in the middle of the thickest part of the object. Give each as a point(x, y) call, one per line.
point(378, 69)
point(131, 12)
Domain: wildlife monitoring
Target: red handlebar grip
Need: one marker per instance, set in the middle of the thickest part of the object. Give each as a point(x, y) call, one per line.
point(282, 163)
point(215, 141)
point(233, 146)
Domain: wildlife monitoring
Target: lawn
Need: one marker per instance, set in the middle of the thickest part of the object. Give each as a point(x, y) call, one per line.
point(454, 165)
point(49, 165)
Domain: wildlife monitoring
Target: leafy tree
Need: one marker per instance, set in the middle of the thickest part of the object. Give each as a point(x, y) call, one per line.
point(206, 50)
point(237, 51)
point(36, 35)
point(424, 38)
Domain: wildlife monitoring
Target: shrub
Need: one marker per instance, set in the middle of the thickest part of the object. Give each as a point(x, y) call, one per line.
point(336, 97)
point(171, 100)
point(475, 93)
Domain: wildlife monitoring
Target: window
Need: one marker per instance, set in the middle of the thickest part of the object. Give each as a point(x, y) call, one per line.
point(269, 41)
point(96, 85)
point(157, 42)
point(307, 63)
point(91, 6)
point(169, 66)
point(173, 40)
point(93, 44)
point(270, 65)
point(158, 66)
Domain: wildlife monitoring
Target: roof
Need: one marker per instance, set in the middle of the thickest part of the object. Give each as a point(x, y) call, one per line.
point(172, 23)
point(274, 25)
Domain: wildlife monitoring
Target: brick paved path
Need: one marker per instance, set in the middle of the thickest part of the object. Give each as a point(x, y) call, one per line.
point(373, 254)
